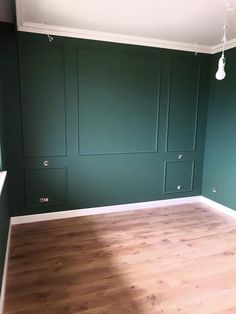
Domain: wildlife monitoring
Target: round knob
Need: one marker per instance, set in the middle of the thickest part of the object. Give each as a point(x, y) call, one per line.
point(178, 187)
point(46, 163)
point(180, 156)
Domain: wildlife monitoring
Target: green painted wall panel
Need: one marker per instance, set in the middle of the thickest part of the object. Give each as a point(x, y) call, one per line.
point(118, 101)
point(43, 99)
point(117, 179)
point(46, 187)
point(178, 176)
point(183, 103)
point(220, 152)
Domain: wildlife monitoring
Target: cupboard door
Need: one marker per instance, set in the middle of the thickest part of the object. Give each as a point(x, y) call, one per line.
point(178, 176)
point(46, 187)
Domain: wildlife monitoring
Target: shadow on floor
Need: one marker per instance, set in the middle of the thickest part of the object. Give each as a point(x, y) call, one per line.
point(69, 266)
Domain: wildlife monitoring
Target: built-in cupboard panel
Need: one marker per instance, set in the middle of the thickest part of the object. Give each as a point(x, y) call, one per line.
point(42, 79)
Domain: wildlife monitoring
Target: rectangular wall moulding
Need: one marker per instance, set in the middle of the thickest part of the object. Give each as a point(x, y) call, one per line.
point(42, 79)
point(118, 101)
point(183, 98)
point(46, 187)
point(178, 176)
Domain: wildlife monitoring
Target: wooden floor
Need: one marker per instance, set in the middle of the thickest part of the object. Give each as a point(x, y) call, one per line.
point(171, 260)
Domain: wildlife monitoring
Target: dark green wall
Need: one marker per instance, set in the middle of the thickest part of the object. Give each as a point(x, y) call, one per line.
point(220, 154)
point(4, 226)
point(111, 121)
point(8, 44)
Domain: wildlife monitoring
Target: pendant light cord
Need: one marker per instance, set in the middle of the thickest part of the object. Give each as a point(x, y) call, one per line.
point(227, 10)
point(224, 39)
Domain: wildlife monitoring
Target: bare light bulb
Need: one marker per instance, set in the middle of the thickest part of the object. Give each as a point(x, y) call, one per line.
point(220, 74)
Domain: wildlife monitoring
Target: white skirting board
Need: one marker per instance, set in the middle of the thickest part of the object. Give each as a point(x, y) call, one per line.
point(4, 278)
point(121, 208)
point(103, 210)
point(219, 207)
point(2, 179)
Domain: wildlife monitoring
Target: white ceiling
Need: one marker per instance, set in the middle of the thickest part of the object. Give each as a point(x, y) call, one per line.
point(176, 24)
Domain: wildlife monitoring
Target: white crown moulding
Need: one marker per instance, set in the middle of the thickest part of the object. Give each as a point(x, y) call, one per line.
point(119, 38)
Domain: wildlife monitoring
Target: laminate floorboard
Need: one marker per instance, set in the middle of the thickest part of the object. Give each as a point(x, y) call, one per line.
point(175, 259)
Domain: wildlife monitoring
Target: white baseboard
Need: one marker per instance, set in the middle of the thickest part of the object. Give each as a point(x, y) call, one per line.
point(4, 278)
point(219, 207)
point(121, 208)
point(103, 210)
point(2, 179)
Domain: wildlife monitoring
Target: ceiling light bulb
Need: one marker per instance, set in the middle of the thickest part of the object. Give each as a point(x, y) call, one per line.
point(220, 74)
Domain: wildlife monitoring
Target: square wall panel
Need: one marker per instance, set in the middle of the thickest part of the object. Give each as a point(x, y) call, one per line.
point(118, 101)
point(178, 176)
point(46, 187)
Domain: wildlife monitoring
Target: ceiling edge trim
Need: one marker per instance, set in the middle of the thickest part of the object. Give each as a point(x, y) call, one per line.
point(229, 45)
point(119, 38)
point(110, 37)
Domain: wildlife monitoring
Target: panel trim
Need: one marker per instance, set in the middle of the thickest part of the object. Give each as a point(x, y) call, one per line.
point(5, 269)
point(78, 99)
point(157, 105)
point(117, 153)
point(103, 210)
point(192, 176)
point(168, 112)
point(51, 204)
point(158, 101)
point(168, 105)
